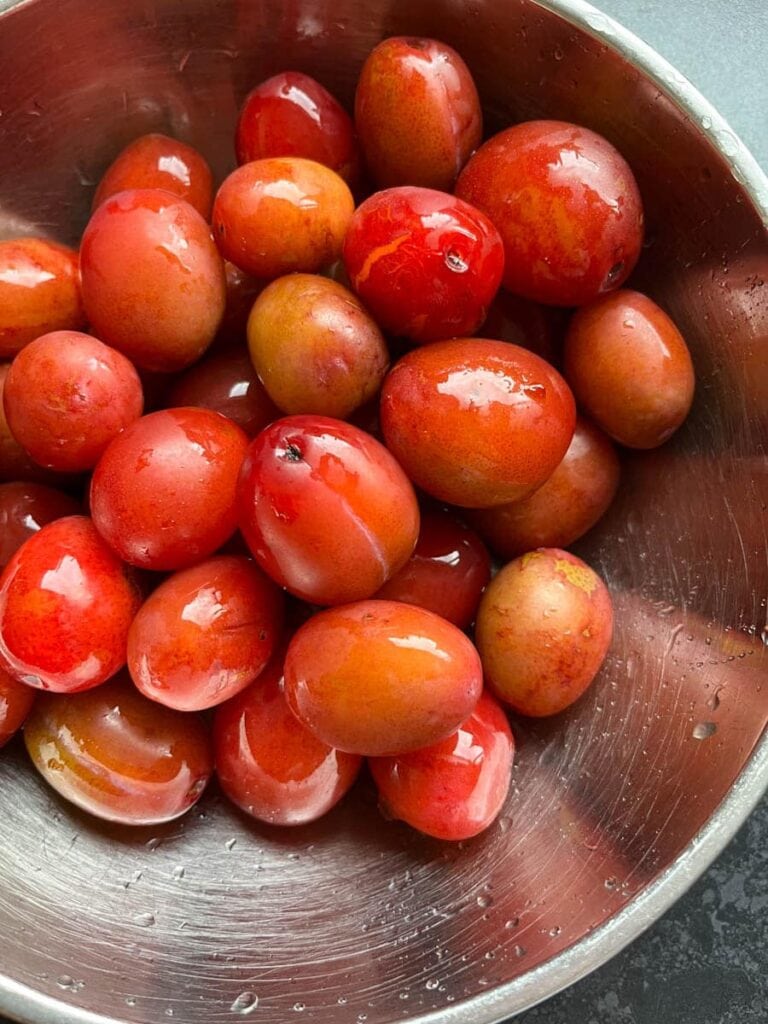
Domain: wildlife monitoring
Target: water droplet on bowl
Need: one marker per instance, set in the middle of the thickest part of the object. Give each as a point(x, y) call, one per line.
point(703, 730)
point(245, 1003)
point(144, 920)
point(726, 140)
point(179, 871)
point(596, 21)
point(714, 701)
point(432, 984)
point(484, 901)
point(67, 982)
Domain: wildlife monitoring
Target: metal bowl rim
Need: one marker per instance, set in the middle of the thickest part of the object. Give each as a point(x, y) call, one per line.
point(28, 1006)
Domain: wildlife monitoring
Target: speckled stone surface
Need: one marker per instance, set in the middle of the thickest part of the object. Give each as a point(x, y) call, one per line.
point(720, 45)
point(706, 960)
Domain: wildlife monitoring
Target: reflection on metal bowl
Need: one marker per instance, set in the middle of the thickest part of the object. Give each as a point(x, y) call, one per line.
point(617, 805)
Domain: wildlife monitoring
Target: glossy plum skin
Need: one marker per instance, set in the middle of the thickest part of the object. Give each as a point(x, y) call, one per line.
point(15, 464)
point(567, 206)
point(205, 633)
point(426, 264)
point(455, 788)
point(568, 504)
point(227, 384)
point(381, 678)
point(315, 347)
point(417, 113)
point(630, 368)
point(66, 396)
point(24, 509)
point(269, 764)
point(525, 323)
point(242, 291)
point(291, 114)
point(39, 292)
point(16, 700)
point(325, 509)
point(282, 215)
point(119, 756)
point(157, 161)
point(446, 573)
point(153, 281)
point(163, 493)
point(476, 422)
point(66, 603)
point(543, 630)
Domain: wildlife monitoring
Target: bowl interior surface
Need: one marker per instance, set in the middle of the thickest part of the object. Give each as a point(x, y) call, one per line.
point(352, 919)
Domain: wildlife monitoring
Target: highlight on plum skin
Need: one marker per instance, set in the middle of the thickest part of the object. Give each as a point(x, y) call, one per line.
point(158, 161)
point(567, 207)
point(272, 766)
point(163, 493)
point(381, 677)
point(454, 789)
point(263, 203)
point(225, 382)
point(205, 633)
point(417, 113)
point(476, 422)
point(630, 368)
point(526, 323)
point(292, 114)
point(66, 604)
point(565, 507)
point(446, 573)
point(39, 292)
point(67, 395)
point(16, 700)
point(153, 281)
point(325, 509)
point(15, 464)
point(117, 755)
point(24, 509)
point(543, 630)
point(426, 264)
point(241, 292)
point(315, 346)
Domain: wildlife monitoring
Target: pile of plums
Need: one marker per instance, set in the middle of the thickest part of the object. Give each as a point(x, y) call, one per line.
point(254, 444)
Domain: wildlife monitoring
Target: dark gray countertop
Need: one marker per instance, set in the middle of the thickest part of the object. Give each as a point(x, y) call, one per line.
point(706, 961)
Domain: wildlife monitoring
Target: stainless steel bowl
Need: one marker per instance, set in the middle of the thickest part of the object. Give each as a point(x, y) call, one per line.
point(619, 804)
